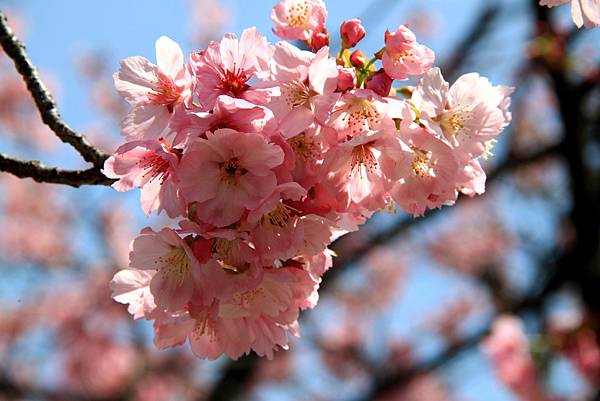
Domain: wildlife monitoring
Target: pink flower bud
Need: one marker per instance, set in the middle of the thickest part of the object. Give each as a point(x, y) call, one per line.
point(380, 83)
point(403, 56)
point(346, 79)
point(351, 32)
point(358, 59)
point(319, 40)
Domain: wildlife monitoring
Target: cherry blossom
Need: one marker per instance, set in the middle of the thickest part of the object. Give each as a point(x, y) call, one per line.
point(151, 166)
point(585, 13)
point(228, 172)
point(469, 114)
point(153, 90)
point(226, 68)
point(268, 153)
point(403, 56)
point(298, 19)
point(305, 83)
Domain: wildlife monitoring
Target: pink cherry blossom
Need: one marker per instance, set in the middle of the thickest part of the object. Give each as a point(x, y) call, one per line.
point(270, 154)
point(229, 112)
point(97, 367)
point(165, 251)
point(318, 40)
point(468, 114)
point(380, 83)
point(274, 223)
point(151, 166)
point(346, 79)
point(226, 68)
point(298, 19)
point(258, 318)
point(132, 286)
point(508, 348)
point(357, 160)
point(152, 90)
point(403, 56)
point(358, 59)
point(305, 84)
point(427, 166)
point(228, 172)
point(584, 12)
point(359, 111)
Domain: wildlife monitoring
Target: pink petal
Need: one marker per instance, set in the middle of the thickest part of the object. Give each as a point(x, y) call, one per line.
point(170, 291)
point(169, 57)
point(136, 77)
point(145, 122)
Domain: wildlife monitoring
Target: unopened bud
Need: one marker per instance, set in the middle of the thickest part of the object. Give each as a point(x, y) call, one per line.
point(380, 83)
point(358, 59)
point(318, 40)
point(346, 79)
point(351, 32)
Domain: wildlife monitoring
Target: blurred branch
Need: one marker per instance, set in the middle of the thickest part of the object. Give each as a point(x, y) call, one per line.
point(16, 391)
point(385, 382)
point(40, 173)
point(581, 266)
point(469, 41)
point(15, 49)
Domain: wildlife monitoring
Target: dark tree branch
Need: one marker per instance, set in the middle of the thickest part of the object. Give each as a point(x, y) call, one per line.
point(40, 173)
point(15, 49)
point(387, 382)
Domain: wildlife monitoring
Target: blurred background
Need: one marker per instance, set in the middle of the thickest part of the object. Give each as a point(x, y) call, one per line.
point(494, 299)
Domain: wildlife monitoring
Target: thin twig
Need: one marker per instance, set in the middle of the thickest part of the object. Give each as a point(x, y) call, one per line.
point(41, 173)
point(15, 49)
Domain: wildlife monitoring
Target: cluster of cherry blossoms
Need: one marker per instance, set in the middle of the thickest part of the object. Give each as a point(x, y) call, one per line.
point(267, 153)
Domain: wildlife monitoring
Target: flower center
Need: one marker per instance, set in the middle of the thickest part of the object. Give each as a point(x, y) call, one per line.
point(229, 255)
point(278, 217)
point(362, 115)
point(155, 166)
point(362, 155)
point(295, 93)
point(165, 92)
point(235, 81)
point(175, 263)
point(304, 146)
point(454, 122)
point(422, 165)
point(401, 56)
point(297, 14)
point(231, 171)
point(204, 327)
point(248, 297)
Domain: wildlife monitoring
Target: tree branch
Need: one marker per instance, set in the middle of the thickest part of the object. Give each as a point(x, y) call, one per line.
point(15, 49)
point(387, 382)
point(41, 173)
